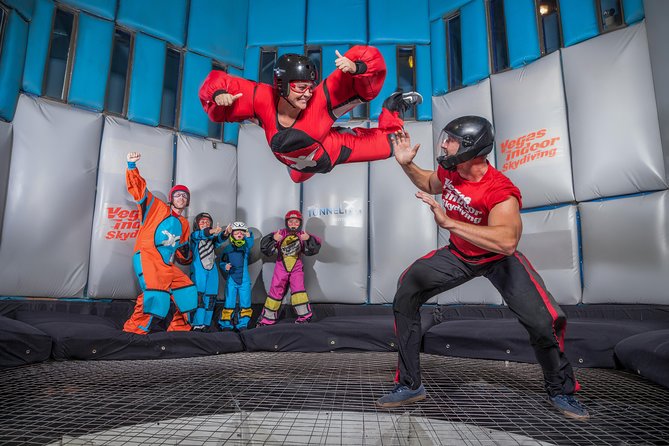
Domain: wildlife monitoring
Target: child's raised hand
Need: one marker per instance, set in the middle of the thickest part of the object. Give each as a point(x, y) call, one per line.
point(228, 266)
point(215, 231)
point(277, 236)
point(304, 236)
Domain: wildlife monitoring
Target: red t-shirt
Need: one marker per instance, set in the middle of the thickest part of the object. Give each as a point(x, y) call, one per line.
point(471, 202)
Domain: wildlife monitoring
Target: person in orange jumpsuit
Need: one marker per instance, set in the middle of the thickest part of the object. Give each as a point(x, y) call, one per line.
point(163, 234)
point(297, 115)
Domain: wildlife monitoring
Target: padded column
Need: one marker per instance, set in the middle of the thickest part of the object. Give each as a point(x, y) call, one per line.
point(265, 193)
point(38, 46)
point(323, 30)
point(625, 250)
point(116, 219)
point(601, 76)
point(550, 243)
point(193, 119)
point(389, 19)
point(5, 155)
point(276, 23)
point(402, 228)
point(52, 183)
point(335, 209)
point(579, 21)
point(521, 31)
point(531, 131)
point(12, 58)
point(91, 63)
point(223, 43)
point(165, 19)
point(210, 172)
point(146, 82)
point(101, 8)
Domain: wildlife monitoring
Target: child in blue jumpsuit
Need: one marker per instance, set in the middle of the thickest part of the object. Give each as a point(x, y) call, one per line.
point(203, 241)
point(235, 269)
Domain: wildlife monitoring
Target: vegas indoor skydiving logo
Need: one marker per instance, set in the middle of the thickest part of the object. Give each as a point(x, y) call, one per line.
point(527, 148)
point(120, 223)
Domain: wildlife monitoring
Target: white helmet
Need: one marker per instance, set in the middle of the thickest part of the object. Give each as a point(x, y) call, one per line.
point(238, 226)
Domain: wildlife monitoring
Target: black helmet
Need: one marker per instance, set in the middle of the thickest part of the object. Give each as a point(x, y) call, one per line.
point(476, 136)
point(293, 67)
point(200, 216)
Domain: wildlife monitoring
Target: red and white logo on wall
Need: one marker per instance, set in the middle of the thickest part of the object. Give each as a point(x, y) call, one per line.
point(525, 149)
point(120, 223)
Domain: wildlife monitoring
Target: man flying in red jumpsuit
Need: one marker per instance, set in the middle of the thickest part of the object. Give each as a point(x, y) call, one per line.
point(297, 115)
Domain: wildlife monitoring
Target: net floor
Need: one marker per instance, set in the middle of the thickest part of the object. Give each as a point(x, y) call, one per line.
point(316, 398)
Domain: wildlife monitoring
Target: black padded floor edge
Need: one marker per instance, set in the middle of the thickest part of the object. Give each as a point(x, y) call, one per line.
point(315, 398)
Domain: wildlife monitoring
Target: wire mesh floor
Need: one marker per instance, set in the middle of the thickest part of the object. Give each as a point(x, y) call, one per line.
point(316, 398)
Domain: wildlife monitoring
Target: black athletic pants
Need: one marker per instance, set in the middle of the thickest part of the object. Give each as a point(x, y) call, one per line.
point(521, 287)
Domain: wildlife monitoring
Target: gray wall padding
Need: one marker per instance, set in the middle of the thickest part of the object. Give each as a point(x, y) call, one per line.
point(550, 243)
point(52, 183)
point(625, 250)
point(402, 227)
point(211, 175)
point(111, 274)
point(531, 131)
point(265, 193)
point(335, 209)
point(5, 156)
point(656, 13)
point(473, 100)
point(613, 121)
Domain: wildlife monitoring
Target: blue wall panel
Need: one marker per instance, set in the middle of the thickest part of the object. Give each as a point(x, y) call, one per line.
point(252, 63)
point(193, 118)
point(297, 49)
point(24, 7)
point(165, 19)
point(579, 21)
point(521, 32)
point(440, 8)
point(424, 82)
point(323, 30)
point(475, 64)
point(38, 46)
point(225, 43)
point(12, 59)
point(633, 10)
point(389, 53)
point(102, 8)
point(146, 84)
point(231, 129)
point(398, 21)
point(277, 23)
point(438, 57)
point(91, 62)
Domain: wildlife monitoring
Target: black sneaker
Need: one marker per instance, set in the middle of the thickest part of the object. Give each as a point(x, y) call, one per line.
point(570, 407)
point(400, 102)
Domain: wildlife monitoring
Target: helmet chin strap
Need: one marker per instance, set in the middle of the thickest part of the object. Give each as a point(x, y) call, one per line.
point(289, 103)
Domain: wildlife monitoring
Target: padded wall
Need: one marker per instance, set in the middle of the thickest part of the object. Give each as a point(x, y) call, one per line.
point(23, 7)
point(401, 227)
point(439, 8)
point(625, 250)
point(193, 118)
point(633, 10)
point(231, 129)
point(578, 20)
point(146, 82)
point(335, 209)
point(658, 35)
point(531, 131)
point(264, 194)
point(276, 23)
point(5, 156)
point(210, 172)
point(223, 43)
point(438, 57)
point(389, 53)
point(550, 243)
point(323, 30)
point(522, 35)
point(387, 16)
point(91, 63)
point(165, 19)
point(52, 176)
point(38, 46)
point(252, 63)
point(474, 30)
point(115, 221)
point(12, 58)
point(423, 81)
point(604, 77)
point(102, 8)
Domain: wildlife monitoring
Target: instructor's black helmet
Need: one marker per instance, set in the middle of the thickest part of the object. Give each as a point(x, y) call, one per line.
point(293, 67)
point(476, 136)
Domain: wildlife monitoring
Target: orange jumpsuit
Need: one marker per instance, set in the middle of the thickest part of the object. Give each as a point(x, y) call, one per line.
point(160, 235)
